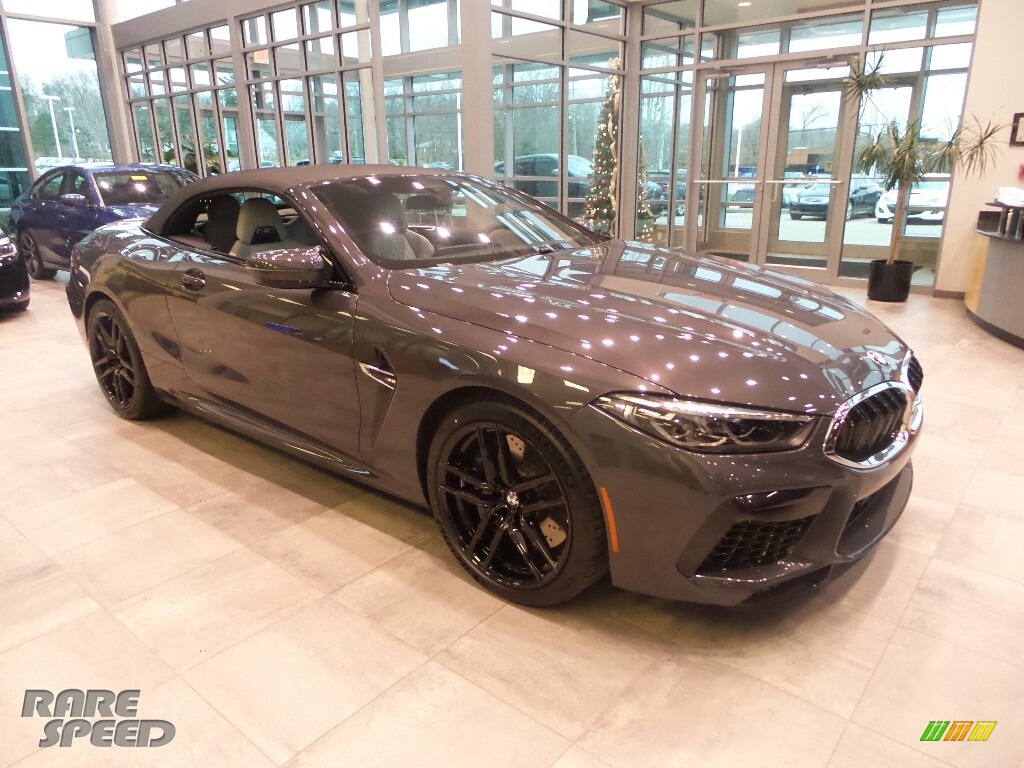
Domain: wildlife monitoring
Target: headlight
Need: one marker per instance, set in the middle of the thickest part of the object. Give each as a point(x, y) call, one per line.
point(709, 428)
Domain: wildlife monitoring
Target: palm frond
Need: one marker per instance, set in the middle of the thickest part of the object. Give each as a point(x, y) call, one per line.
point(864, 77)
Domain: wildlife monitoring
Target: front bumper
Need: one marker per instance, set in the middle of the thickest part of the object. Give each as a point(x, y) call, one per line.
point(14, 282)
point(731, 529)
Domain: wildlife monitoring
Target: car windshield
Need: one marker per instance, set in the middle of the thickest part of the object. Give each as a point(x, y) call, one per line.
point(439, 219)
point(138, 187)
point(815, 189)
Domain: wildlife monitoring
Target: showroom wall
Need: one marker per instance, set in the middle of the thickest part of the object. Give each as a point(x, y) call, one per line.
point(996, 91)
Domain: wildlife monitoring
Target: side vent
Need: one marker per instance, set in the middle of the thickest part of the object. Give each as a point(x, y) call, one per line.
point(380, 370)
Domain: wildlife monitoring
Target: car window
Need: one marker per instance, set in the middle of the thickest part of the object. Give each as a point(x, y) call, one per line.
point(139, 187)
point(579, 166)
point(406, 221)
point(77, 184)
point(48, 188)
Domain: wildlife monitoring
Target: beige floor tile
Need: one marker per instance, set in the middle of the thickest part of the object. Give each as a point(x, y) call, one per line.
point(921, 678)
point(562, 667)
point(330, 549)
point(342, 660)
point(816, 649)
point(881, 584)
point(941, 479)
point(1005, 455)
point(88, 515)
point(575, 757)
point(422, 596)
point(970, 609)
point(38, 598)
point(922, 524)
point(16, 549)
point(92, 652)
point(861, 748)
point(212, 607)
point(141, 556)
point(17, 453)
point(19, 426)
point(986, 541)
point(995, 492)
point(247, 519)
point(733, 721)
point(24, 488)
point(435, 719)
point(202, 738)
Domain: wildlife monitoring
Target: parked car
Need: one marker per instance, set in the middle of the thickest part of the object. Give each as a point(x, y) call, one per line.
point(813, 200)
point(542, 167)
point(65, 204)
point(928, 200)
point(565, 404)
point(14, 282)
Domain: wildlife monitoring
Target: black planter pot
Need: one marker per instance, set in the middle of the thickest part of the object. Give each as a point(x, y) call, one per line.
point(889, 282)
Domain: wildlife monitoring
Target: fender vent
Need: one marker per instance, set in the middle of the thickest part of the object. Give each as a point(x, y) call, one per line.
point(380, 370)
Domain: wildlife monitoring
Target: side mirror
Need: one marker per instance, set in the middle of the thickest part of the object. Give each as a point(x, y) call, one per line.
point(306, 267)
point(74, 200)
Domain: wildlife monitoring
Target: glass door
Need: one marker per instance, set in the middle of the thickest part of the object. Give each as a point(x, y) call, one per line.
point(806, 197)
point(774, 176)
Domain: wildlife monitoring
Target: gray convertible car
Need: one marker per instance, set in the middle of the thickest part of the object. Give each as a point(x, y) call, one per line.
point(566, 405)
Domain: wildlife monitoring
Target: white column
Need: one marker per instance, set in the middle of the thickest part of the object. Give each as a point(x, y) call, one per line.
point(122, 143)
point(477, 101)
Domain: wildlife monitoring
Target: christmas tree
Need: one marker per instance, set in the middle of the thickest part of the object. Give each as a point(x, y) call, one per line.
point(600, 207)
point(601, 204)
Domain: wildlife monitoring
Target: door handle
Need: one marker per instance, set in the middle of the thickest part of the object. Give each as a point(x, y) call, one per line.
point(193, 279)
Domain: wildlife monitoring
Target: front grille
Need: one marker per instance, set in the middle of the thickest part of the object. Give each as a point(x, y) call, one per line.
point(870, 426)
point(751, 543)
point(915, 374)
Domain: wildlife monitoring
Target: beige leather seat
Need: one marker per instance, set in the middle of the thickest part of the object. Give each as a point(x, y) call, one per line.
point(387, 234)
point(221, 222)
point(259, 226)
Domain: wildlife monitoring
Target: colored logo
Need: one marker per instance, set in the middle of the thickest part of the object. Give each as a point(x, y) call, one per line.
point(958, 730)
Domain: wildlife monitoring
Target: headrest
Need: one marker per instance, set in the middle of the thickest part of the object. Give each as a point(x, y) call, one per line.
point(426, 203)
point(384, 208)
point(221, 222)
point(259, 222)
point(223, 207)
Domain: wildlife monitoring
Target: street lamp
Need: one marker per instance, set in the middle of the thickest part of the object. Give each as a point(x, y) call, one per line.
point(74, 139)
point(53, 121)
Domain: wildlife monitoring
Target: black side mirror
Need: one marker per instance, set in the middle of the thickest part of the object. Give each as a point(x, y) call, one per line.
point(305, 267)
point(74, 200)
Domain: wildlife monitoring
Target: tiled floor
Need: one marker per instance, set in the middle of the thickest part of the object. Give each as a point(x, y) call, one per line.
point(278, 615)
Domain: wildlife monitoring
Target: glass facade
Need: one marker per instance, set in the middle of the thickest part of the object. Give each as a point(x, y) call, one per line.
point(727, 113)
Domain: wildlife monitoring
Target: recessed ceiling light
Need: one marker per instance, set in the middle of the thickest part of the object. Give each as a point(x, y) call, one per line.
point(744, 5)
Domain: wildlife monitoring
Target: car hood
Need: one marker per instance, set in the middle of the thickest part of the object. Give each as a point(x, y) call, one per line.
point(704, 328)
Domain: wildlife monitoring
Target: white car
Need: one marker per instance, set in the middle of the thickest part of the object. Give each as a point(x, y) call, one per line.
point(928, 200)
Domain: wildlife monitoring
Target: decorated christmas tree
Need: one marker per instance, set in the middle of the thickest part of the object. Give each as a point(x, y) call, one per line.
point(602, 203)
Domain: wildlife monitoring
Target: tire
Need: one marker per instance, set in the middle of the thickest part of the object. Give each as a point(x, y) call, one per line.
point(795, 216)
point(33, 261)
point(849, 211)
point(515, 504)
point(883, 221)
point(118, 365)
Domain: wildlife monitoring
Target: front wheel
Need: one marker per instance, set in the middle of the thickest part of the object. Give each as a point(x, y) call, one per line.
point(30, 253)
point(515, 504)
point(118, 365)
point(849, 211)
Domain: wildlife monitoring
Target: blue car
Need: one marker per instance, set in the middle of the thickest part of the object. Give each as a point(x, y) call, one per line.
point(67, 203)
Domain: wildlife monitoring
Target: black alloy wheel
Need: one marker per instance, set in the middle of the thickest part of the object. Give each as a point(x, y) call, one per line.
point(849, 210)
point(118, 365)
point(30, 253)
point(515, 505)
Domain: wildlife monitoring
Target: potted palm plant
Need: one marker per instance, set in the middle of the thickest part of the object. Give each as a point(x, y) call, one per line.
point(900, 156)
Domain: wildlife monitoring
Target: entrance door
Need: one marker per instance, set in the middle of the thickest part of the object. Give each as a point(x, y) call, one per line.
point(775, 178)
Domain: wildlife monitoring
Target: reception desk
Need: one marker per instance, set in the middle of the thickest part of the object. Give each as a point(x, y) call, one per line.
point(995, 298)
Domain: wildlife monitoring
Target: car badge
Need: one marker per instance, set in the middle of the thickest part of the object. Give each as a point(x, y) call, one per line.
point(876, 357)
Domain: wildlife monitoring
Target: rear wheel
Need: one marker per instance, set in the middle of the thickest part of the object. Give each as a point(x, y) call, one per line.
point(30, 253)
point(849, 211)
point(515, 504)
point(117, 363)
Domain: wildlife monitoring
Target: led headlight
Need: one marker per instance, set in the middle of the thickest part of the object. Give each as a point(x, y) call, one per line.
point(709, 428)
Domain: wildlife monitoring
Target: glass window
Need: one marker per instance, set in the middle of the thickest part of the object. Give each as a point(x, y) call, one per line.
point(959, 20)
point(597, 12)
point(64, 80)
point(254, 31)
point(896, 25)
point(138, 187)
point(428, 24)
point(390, 28)
point(130, 9)
point(48, 188)
point(316, 17)
point(666, 18)
point(285, 24)
point(72, 10)
point(822, 34)
point(748, 13)
point(197, 45)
